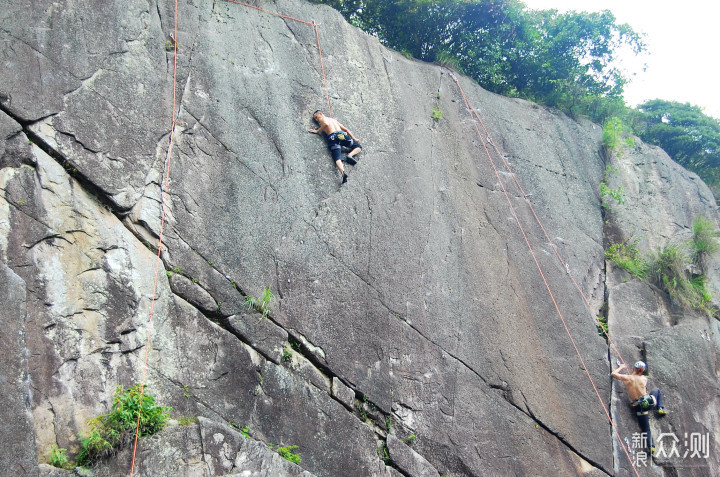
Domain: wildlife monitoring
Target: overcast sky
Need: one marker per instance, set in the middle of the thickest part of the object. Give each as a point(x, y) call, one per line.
point(682, 42)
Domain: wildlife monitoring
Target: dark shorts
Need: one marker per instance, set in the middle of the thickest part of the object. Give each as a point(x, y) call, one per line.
point(338, 140)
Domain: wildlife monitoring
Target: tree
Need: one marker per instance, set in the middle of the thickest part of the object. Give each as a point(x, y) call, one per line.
point(688, 135)
point(562, 60)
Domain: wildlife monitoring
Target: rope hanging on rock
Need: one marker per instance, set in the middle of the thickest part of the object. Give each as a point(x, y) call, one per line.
point(158, 259)
point(166, 187)
point(476, 118)
point(317, 36)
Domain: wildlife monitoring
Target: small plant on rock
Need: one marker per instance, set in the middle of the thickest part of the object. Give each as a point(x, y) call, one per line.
point(261, 304)
point(288, 454)
point(618, 195)
point(437, 115)
point(57, 457)
point(704, 241)
point(626, 256)
point(186, 421)
point(111, 432)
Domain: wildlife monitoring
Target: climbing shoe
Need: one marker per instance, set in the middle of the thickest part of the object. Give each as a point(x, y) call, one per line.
point(350, 160)
point(662, 412)
point(344, 178)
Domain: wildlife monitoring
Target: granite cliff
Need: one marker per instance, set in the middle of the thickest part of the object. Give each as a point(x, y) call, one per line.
point(411, 331)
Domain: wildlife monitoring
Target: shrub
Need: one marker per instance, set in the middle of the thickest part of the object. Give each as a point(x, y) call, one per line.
point(57, 457)
point(626, 256)
point(704, 241)
point(602, 326)
point(288, 454)
point(448, 60)
point(612, 134)
point(617, 194)
point(668, 271)
point(111, 432)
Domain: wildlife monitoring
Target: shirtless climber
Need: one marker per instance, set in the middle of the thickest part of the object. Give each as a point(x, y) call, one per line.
point(338, 136)
point(642, 401)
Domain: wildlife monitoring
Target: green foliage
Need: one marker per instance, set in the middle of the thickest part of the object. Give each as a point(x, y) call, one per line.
point(437, 114)
point(606, 192)
point(169, 45)
point(612, 134)
point(286, 355)
point(186, 421)
point(688, 135)
point(246, 432)
point(565, 60)
point(411, 438)
point(57, 457)
point(670, 268)
point(362, 411)
point(617, 194)
point(668, 271)
point(261, 304)
point(449, 61)
point(384, 454)
point(110, 432)
point(602, 326)
point(288, 454)
point(388, 424)
point(626, 256)
point(704, 241)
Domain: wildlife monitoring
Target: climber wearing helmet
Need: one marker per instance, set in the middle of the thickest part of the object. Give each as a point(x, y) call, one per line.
point(642, 401)
point(338, 136)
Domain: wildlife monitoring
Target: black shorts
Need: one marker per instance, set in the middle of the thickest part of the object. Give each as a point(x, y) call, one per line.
point(338, 140)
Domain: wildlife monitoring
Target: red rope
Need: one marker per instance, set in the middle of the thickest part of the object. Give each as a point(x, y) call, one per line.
point(473, 113)
point(322, 66)
point(160, 239)
point(317, 36)
point(542, 227)
point(271, 13)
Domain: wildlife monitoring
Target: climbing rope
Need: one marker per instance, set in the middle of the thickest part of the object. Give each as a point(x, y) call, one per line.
point(542, 227)
point(317, 36)
point(158, 260)
point(473, 114)
point(166, 188)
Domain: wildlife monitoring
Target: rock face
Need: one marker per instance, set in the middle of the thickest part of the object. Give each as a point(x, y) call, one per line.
point(409, 304)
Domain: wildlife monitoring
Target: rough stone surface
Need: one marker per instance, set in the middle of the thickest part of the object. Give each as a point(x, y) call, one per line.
point(409, 461)
point(412, 284)
point(342, 393)
point(204, 449)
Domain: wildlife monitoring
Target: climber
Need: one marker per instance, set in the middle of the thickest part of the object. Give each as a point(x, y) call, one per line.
point(338, 136)
point(642, 401)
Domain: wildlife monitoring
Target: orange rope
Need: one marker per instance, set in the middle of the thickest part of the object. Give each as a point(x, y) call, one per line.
point(542, 274)
point(539, 222)
point(322, 65)
point(317, 36)
point(160, 239)
point(271, 13)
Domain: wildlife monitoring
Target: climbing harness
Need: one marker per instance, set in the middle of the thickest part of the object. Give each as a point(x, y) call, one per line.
point(643, 404)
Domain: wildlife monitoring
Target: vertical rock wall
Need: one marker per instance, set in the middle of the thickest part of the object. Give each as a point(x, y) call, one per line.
point(410, 324)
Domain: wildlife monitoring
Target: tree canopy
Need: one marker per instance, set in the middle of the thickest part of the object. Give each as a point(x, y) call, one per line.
point(687, 134)
point(565, 60)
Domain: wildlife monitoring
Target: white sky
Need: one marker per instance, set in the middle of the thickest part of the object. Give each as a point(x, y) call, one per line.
point(682, 42)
